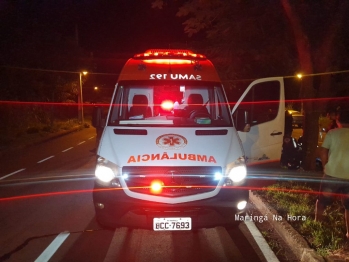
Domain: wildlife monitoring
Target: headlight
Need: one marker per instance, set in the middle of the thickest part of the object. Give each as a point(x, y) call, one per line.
point(218, 176)
point(238, 173)
point(105, 171)
point(241, 205)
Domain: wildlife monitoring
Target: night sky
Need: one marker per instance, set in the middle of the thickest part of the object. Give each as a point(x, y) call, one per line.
point(110, 26)
point(130, 25)
point(39, 35)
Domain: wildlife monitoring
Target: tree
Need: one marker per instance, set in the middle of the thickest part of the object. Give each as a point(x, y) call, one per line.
point(316, 45)
point(241, 34)
point(253, 39)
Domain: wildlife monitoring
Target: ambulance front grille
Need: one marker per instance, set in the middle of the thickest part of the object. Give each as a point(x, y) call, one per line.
point(177, 181)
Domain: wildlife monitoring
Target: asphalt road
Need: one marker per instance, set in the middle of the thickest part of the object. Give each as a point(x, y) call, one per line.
point(47, 214)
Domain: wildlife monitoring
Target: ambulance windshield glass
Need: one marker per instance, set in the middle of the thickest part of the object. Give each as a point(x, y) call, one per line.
point(173, 105)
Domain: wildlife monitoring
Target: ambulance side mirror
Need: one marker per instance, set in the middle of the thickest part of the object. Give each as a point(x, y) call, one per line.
point(242, 120)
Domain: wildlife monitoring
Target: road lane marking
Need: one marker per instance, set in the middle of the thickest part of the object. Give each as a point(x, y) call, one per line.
point(52, 248)
point(65, 150)
point(81, 143)
point(91, 137)
point(20, 170)
point(261, 242)
point(47, 158)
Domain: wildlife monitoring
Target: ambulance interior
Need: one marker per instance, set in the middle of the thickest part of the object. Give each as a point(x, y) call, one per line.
point(174, 104)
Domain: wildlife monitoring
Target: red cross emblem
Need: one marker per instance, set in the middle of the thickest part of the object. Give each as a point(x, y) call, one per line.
point(171, 141)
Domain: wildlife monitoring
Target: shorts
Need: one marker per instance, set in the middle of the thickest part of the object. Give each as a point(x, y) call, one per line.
point(332, 187)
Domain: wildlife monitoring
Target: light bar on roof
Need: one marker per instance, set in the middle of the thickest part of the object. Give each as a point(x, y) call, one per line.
point(167, 61)
point(169, 54)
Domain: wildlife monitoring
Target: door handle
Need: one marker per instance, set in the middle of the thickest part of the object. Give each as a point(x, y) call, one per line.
point(276, 134)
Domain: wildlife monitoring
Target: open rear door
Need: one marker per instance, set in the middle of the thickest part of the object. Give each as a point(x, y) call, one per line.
point(263, 108)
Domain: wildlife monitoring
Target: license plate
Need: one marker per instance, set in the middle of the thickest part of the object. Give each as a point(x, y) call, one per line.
point(171, 223)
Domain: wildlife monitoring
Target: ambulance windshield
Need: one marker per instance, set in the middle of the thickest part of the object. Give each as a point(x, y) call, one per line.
point(177, 104)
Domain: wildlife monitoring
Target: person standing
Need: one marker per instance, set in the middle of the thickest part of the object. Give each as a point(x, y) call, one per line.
point(289, 151)
point(98, 122)
point(334, 155)
point(333, 116)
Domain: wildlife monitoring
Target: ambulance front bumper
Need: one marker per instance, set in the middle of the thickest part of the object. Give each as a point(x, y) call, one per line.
point(116, 209)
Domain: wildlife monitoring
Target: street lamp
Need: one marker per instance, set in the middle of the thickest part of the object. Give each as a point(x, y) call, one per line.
point(300, 76)
point(80, 99)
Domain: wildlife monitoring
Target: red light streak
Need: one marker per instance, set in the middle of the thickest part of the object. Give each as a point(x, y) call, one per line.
point(49, 103)
point(45, 195)
point(230, 103)
point(60, 193)
point(295, 100)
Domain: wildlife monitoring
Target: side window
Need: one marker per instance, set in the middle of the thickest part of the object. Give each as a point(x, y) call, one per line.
point(219, 106)
point(119, 107)
point(262, 101)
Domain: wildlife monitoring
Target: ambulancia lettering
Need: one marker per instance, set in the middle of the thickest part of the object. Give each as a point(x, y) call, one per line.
point(175, 156)
point(174, 77)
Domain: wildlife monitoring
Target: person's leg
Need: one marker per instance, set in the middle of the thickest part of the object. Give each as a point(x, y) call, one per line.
point(345, 201)
point(324, 197)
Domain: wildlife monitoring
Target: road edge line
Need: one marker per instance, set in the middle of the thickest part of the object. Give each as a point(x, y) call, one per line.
point(268, 254)
point(15, 172)
point(52, 248)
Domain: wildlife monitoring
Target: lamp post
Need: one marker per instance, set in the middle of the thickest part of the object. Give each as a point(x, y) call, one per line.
point(80, 99)
point(301, 91)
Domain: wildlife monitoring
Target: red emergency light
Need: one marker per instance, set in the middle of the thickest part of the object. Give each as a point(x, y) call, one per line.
point(170, 54)
point(167, 61)
point(156, 186)
point(167, 105)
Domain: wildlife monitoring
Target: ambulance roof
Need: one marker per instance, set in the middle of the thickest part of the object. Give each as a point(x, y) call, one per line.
point(169, 64)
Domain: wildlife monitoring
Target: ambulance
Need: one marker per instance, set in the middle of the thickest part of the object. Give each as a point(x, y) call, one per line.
point(173, 154)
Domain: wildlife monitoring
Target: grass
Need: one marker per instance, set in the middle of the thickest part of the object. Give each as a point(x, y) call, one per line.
point(52, 127)
point(297, 199)
point(275, 245)
point(36, 132)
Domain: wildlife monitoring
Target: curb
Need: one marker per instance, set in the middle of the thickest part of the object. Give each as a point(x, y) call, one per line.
point(292, 238)
point(260, 241)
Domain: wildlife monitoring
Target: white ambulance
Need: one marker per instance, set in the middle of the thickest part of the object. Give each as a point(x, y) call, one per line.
point(173, 153)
